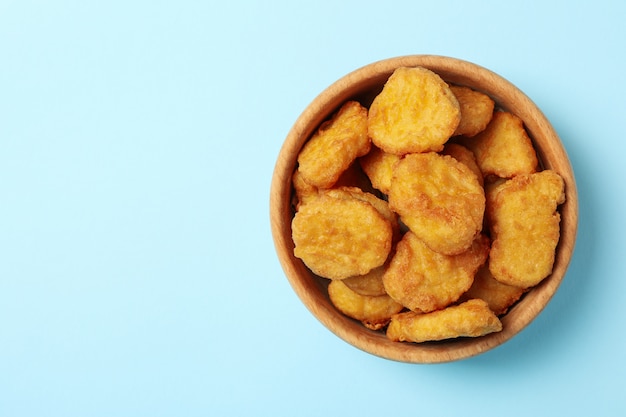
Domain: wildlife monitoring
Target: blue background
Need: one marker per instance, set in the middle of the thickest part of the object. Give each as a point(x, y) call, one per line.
point(137, 270)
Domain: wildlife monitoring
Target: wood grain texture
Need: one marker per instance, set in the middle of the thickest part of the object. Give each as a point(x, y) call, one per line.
point(363, 85)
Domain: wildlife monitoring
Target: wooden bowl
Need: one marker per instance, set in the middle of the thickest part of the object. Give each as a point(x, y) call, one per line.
point(363, 85)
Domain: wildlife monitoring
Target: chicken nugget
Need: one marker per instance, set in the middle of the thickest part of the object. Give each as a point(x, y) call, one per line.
point(498, 296)
point(525, 227)
point(335, 146)
point(378, 166)
point(472, 318)
point(504, 148)
point(381, 205)
point(424, 280)
point(369, 284)
point(373, 311)
point(476, 110)
point(415, 112)
point(464, 155)
point(303, 191)
point(337, 238)
point(439, 199)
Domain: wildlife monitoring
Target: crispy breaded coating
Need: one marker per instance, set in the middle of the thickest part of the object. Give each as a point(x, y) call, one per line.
point(369, 284)
point(472, 318)
point(504, 149)
point(373, 311)
point(525, 227)
point(464, 155)
point(378, 165)
point(439, 199)
point(476, 110)
point(303, 191)
point(415, 112)
point(424, 280)
point(339, 238)
point(381, 205)
point(498, 296)
point(335, 146)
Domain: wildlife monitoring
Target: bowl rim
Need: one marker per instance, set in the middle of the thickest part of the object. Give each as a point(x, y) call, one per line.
point(507, 97)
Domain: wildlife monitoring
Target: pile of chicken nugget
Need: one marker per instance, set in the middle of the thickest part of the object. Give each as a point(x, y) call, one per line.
point(428, 212)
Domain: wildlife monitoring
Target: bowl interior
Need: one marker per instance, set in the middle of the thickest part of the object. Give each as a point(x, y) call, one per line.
point(363, 85)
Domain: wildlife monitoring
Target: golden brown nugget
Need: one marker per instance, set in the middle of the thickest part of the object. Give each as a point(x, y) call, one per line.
point(498, 296)
point(476, 110)
point(424, 280)
point(335, 146)
point(439, 199)
point(303, 191)
point(339, 238)
point(373, 312)
point(504, 149)
point(381, 205)
point(464, 155)
point(525, 227)
point(378, 165)
point(415, 112)
point(369, 284)
point(470, 319)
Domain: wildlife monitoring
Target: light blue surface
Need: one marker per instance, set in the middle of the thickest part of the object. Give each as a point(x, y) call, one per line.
point(137, 273)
